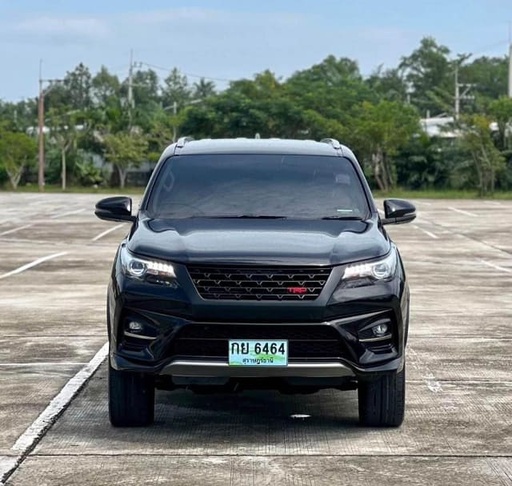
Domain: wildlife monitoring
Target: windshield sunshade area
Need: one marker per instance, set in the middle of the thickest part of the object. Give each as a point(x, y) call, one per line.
point(258, 186)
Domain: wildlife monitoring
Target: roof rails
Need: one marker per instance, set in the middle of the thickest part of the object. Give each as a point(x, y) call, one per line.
point(333, 142)
point(183, 140)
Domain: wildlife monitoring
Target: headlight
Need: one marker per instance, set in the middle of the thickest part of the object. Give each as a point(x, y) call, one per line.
point(148, 270)
point(369, 272)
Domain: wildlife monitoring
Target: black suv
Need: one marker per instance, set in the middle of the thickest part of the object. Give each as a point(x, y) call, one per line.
point(257, 264)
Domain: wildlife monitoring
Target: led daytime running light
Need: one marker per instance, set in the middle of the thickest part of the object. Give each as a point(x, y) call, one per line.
point(159, 268)
point(138, 267)
point(379, 270)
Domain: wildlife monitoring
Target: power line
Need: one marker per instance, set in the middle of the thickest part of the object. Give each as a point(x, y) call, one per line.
point(489, 47)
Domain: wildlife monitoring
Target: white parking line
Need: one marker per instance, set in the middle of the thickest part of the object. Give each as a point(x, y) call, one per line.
point(461, 211)
point(32, 264)
point(68, 213)
point(110, 230)
point(29, 439)
point(7, 464)
point(432, 235)
point(493, 203)
point(497, 267)
point(14, 230)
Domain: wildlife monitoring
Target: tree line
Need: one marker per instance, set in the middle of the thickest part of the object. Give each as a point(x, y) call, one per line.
point(129, 121)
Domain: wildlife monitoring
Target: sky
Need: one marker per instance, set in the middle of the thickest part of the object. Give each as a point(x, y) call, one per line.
point(233, 39)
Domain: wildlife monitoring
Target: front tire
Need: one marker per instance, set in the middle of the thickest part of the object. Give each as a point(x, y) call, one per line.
point(131, 398)
point(382, 402)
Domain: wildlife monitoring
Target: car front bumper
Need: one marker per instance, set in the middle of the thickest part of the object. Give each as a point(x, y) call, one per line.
point(188, 337)
point(181, 347)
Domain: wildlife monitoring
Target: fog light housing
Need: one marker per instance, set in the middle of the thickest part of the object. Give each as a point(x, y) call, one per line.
point(134, 326)
point(380, 330)
point(376, 331)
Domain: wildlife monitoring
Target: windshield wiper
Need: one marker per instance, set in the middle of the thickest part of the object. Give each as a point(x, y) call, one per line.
point(344, 218)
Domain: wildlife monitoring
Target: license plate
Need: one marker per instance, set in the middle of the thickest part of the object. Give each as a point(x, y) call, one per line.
point(256, 352)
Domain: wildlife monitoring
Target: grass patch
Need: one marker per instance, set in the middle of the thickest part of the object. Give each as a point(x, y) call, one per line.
point(56, 189)
point(441, 194)
point(397, 193)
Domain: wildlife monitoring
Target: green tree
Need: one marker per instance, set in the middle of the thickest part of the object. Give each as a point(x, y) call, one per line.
point(486, 159)
point(19, 116)
point(66, 129)
point(176, 89)
point(331, 72)
point(389, 84)
point(162, 132)
point(73, 93)
point(501, 112)
point(105, 87)
point(334, 89)
point(125, 150)
point(422, 163)
point(146, 87)
point(430, 74)
point(203, 89)
point(146, 97)
point(488, 77)
point(381, 131)
point(17, 152)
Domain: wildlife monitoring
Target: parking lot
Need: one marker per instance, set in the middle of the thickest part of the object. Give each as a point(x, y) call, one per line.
point(54, 268)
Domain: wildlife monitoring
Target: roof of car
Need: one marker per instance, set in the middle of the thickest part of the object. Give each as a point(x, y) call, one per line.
point(254, 145)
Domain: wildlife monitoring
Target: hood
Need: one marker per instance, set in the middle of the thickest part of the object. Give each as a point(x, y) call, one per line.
point(258, 241)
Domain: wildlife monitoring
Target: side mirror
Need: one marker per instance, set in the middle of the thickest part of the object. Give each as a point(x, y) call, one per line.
point(118, 208)
point(398, 211)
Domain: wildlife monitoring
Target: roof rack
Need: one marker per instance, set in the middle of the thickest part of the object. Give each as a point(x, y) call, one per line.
point(183, 140)
point(333, 142)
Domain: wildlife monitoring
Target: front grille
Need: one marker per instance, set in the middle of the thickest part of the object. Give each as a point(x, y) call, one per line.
point(211, 340)
point(259, 284)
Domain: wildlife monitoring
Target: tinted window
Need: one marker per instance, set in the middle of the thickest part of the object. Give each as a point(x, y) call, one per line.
point(292, 186)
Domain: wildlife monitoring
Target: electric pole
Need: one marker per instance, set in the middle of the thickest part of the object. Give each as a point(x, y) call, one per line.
point(510, 71)
point(175, 113)
point(130, 90)
point(40, 132)
point(466, 87)
point(510, 59)
point(457, 92)
point(40, 123)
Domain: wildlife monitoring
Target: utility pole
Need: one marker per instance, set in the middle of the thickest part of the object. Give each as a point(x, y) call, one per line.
point(130, 90)
point(459, 96)
point(40, 122)
point(457, 92)
point(174, 112)
point(510, 59)
point(510, 71)
point(40, 132)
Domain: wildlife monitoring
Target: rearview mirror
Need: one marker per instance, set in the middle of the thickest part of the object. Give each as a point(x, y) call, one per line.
point(118, 208)
point(398, 211)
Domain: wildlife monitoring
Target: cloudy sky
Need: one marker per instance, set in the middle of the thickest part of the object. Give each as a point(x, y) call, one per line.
point(230, 39)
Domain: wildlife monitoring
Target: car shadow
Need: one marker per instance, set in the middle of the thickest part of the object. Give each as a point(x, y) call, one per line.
point(249, 422)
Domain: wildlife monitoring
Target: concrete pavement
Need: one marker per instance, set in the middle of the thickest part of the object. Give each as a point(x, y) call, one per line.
point(458, 255)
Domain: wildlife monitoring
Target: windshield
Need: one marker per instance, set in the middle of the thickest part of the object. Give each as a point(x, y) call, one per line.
point(258, 185)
